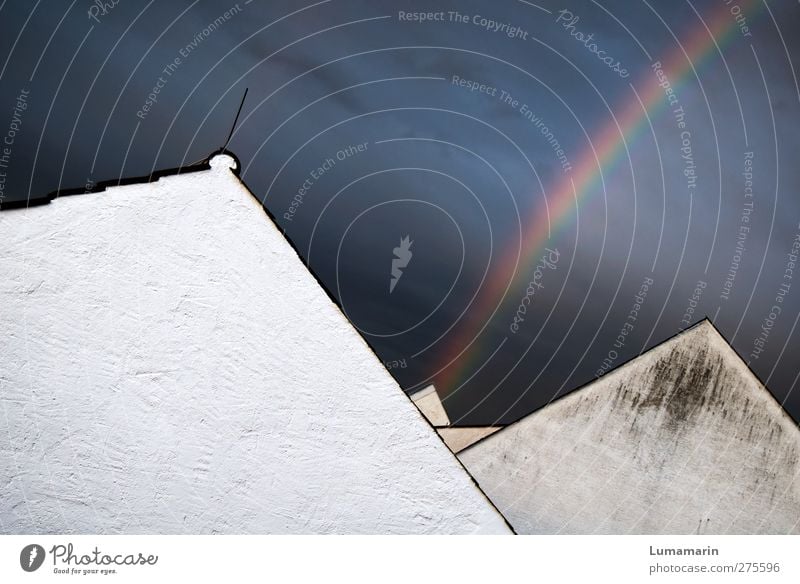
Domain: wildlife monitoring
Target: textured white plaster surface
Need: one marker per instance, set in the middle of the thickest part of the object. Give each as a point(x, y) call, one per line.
point(683, 439)
point(170, 366)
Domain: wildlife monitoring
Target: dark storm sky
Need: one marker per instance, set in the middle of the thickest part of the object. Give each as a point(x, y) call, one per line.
point(461, 173)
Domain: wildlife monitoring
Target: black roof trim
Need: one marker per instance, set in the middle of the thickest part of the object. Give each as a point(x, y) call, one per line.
point(102, 186)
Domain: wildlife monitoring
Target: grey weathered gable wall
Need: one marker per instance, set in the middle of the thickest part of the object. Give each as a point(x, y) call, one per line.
point(683, 439)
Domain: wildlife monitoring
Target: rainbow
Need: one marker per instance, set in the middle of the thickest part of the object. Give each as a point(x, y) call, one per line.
point(462, 350)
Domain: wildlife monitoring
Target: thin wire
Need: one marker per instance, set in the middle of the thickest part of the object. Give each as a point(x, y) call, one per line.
point(236, 119)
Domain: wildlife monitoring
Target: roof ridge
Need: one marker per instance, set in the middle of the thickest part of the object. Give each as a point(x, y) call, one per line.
point(705, 324)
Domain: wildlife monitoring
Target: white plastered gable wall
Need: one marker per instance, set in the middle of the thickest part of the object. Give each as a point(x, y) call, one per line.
point(170, 366)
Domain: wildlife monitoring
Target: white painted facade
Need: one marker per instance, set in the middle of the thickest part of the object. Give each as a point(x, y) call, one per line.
point(684, 439)
point(169, 365)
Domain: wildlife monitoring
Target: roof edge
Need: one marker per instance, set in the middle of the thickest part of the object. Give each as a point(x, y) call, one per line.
point(705, 321)
point(99, 187)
